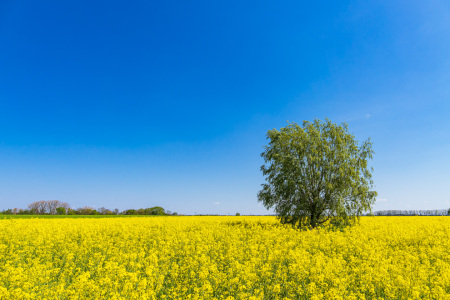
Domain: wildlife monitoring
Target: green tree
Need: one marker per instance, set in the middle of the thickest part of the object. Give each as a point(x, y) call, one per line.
point(157, 210)
point(315, 173)
point(130, 212)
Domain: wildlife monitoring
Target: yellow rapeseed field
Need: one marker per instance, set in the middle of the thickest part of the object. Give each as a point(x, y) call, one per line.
point(223, 258)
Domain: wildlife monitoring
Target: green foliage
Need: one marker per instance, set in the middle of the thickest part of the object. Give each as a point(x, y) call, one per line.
point(448, 212)
point(156, 210)
point(68, 216)
point(87, 210)
point(61, 211)
point(130, 212)
point(238, 214)
point(39, 208)
point(58, 208)
point(316, 173)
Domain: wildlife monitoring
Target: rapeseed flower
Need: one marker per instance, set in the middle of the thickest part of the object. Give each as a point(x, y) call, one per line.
point(223, 258)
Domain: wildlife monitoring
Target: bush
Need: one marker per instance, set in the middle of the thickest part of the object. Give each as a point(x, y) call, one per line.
point(130, 212)
point(86, 210)
point(61, 211)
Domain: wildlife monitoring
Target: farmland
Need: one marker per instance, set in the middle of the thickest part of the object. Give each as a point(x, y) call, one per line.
point(223, 258)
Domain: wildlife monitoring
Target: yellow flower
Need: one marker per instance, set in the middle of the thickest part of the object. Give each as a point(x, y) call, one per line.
point(223, 258)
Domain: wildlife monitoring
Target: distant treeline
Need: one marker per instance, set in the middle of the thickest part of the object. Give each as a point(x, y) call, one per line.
point(432, 212)
point(56, 207)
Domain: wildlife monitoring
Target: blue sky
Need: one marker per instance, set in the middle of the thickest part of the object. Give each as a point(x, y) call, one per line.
point(129, 105)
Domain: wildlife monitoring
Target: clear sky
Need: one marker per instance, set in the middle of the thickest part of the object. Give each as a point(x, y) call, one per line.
point(144, 103)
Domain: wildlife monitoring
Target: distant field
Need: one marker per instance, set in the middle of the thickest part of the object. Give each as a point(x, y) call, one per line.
point(223, 258)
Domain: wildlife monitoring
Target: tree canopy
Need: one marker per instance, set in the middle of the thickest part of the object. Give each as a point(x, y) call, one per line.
point(316, 173)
